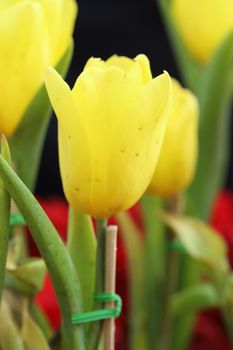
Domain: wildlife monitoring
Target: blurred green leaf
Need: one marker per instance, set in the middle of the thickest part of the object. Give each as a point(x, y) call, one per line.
point(41, 319)
point(27, 142)
point(5, 202)
point(194, 299)
point(215, 96)
point(32, 335)
point(10, 338)
point(200, 240)
point(134, 247)
point(31, 274)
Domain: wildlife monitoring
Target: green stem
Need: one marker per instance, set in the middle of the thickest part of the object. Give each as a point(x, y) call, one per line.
point(81, 244)
point(4, 234)
point(95, 327)
point(155, 261)
point(227, 316)
point(172, 276)
point(5, 204)
point(183, 326)
point(55, 254)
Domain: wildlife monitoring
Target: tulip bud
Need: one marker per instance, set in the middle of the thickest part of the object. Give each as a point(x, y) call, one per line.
point(33, 36)
point(203, 24)
point(111, 126)
point(176, 164)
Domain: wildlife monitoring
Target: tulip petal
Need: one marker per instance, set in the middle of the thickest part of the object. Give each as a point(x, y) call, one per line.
point(111, 127)
point(74, 154)
point(21, 55)
point(60, 96)
point(120, 61)
point(145, 66)
point(145, 121)
point(60, 17)
point(177, 159)
point(203, 24)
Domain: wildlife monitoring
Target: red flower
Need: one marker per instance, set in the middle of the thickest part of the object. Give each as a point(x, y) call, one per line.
point(222, 219)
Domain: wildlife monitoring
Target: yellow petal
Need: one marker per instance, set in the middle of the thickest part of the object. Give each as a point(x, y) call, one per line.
point(61, 99)
point(23, 60)
point(94, 62)
point(125, 130)
point(137, 144)
point(116, 124)
point(74, 154)
point(178, 156)
point(60, 17)
point(120, 61)
point(203, 24)
point(145, 66)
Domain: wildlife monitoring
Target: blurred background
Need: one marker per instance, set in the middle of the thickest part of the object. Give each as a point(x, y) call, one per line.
point(104, 28)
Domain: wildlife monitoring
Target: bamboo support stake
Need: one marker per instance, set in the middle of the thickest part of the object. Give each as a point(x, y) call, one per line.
point(110, 284)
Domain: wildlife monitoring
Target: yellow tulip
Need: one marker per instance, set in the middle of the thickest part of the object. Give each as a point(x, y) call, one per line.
point(111, 125)
point(176, 164)
point(203, 24)
point(33, 35)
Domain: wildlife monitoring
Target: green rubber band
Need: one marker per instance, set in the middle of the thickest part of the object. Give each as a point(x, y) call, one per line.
point(177, 245)
point(17, 220)
point(103, 314)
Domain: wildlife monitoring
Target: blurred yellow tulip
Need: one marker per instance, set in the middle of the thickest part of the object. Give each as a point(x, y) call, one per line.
point(203, 24)
point(177, 160)
point(33, 35)
point(111, 127)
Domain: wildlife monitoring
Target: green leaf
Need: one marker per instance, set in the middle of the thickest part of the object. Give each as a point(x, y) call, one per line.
point(215, 96)
point(82, 248)
point(41, 319)
point(134, 247)
point(53, 251)
point(194, 299)
point(27, 142)
point(32, 335)
point(4, 217)
point(30, 274)
point(200, 240)
point(10, 338)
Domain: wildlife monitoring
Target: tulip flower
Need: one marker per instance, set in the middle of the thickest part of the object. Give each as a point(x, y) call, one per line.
point(176, 164)
point(111, 126)
point(33, 36)
point(203, 25)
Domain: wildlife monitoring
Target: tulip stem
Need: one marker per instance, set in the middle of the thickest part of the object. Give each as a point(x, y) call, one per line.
point(95, 327)
point(56, 256)
point(4, 234)
point(5, 204)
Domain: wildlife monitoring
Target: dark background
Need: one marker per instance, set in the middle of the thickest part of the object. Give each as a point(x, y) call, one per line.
point(105, 27)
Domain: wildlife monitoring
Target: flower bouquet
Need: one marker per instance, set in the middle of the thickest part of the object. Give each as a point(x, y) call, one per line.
point(126, 140)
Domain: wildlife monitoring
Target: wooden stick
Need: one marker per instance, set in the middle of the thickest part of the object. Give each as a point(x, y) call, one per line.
point(110, 284)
